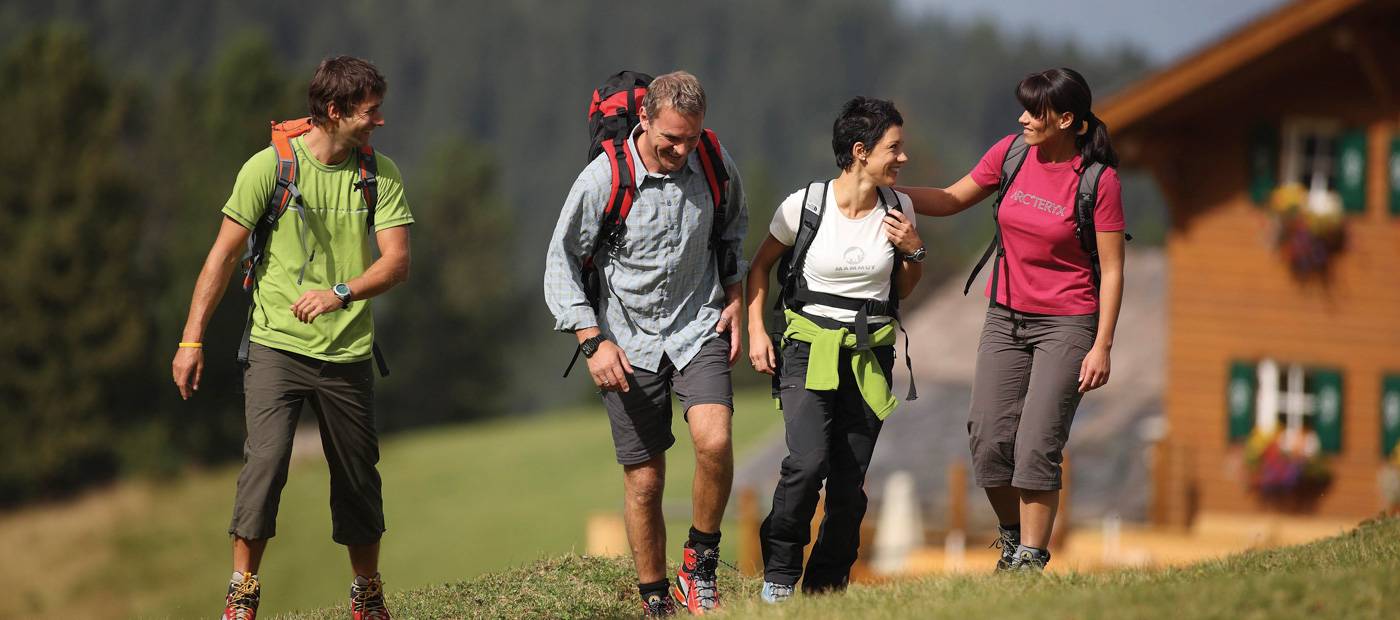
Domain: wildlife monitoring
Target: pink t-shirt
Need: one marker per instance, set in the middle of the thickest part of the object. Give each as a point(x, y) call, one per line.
point(1050, 273)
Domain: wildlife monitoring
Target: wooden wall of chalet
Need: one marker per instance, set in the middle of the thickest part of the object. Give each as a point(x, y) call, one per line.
point(1231, 294)
point(1232, 297)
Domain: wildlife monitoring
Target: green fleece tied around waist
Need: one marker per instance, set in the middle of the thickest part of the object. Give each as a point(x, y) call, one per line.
point(826, 344)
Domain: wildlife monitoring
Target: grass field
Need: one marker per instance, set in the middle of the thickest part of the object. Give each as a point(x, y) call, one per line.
point(1355, 575)
point(459, 501)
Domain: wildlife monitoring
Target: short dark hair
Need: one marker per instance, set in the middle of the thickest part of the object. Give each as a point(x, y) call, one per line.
point(345, 81)
point(864, 120)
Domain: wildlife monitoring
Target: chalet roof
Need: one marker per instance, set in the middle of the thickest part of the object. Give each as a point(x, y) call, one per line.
point(1235, 53)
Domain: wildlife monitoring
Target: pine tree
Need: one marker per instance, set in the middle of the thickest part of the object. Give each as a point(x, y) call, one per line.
point(71, 329)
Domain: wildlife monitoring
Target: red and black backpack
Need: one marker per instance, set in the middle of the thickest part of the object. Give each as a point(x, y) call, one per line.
point(612, 113)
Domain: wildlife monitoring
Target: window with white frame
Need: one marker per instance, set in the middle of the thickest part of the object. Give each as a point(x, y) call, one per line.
point(1309, 152)
point(1301, 403)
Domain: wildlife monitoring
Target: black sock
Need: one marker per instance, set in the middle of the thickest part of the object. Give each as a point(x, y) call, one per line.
point(1012, 527)
point(655, 587)
point(701, 541)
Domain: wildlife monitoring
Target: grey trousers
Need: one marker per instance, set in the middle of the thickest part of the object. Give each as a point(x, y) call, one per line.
point(276, 383)
point(1024, 396)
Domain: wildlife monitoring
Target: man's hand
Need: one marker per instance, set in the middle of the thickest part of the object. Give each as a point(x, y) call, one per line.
point(609, 368)
point(187, 368)
point(729, 322)
point(315, 303)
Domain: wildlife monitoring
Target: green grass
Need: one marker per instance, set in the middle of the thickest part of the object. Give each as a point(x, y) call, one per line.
point(1355, 575)
point(459, 501)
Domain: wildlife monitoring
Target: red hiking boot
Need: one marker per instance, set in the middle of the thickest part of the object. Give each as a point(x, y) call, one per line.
point(367, 599)
point(242, 600)
point(697, 588)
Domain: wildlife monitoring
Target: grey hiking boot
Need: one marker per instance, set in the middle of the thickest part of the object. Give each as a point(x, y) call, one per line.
point(1007, 540)
point(775, 592)
point(1030, 560)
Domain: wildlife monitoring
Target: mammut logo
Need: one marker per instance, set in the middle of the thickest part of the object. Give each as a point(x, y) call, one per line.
point(854, 257)
point(1032, 200)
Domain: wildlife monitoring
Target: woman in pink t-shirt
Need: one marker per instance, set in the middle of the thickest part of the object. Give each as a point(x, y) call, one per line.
point(1049, 328)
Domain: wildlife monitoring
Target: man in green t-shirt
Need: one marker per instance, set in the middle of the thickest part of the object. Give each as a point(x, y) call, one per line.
point(311, 331)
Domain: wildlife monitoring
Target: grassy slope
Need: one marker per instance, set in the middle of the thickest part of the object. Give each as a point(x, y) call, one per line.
point(1356, 575)
point(459, 501)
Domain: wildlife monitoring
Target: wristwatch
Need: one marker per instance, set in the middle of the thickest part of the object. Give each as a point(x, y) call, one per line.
point(342, 291)
point(918, 255)
point(590, 346)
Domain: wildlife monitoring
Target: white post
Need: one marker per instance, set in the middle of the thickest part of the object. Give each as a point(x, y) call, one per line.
point(1266, 401)
point(900, 528)
point(1294, 405)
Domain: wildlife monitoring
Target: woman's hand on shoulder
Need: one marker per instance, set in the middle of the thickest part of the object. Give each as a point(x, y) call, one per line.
point(938, 201)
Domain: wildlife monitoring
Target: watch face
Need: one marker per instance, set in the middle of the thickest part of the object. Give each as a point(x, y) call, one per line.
point(342, 290)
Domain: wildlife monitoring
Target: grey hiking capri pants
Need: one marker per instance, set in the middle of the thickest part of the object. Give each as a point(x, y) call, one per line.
point(276, 384)
point(1024, 396)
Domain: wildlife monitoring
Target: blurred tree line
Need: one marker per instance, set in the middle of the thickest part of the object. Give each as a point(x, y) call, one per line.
point(129, 119)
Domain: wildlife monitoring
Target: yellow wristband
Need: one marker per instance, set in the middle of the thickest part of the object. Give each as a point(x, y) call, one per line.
point(192, 345)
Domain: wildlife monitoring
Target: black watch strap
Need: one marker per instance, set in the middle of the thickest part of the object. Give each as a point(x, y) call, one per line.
point(590, 346)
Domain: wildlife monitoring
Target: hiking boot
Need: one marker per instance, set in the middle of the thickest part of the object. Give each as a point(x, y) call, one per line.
point(696, 587)
point(1007, 541)
point(367, 599)
point(242, 600)
point(775, 592)
point(658, 605)
point(1030, 560)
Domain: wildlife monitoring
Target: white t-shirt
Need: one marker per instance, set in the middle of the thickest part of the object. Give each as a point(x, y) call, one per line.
point(850, 258)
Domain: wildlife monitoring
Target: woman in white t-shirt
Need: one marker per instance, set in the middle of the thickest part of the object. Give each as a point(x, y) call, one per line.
point(840, 300)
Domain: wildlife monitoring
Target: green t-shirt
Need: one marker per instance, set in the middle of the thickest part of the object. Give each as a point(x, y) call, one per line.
point(337, 248)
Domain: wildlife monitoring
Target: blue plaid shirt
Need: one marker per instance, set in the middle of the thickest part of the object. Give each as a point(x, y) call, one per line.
point(661, 293)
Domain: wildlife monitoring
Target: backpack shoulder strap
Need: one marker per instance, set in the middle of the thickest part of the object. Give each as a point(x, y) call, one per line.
point(622, 193)
point(717, 180)
point(813, 206)
point(1010, 166)
point(712, 162)
point(284, 192)
point(1011, 162)
point(368, 185)
point(1085, 201)
point(888, 199)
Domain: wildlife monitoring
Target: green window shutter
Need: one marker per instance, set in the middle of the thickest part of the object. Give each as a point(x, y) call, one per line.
point(1349, 169)
point(1239, 397)
point(1327, 416)
point(1395, 176)
point(1263, 163)
point(1390, 414)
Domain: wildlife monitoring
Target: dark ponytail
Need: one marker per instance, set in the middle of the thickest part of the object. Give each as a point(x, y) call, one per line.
point(1065, 90)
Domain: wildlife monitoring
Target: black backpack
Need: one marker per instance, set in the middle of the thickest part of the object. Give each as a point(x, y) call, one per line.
point(612, 113)
point(1085, 200)
point(795, 294)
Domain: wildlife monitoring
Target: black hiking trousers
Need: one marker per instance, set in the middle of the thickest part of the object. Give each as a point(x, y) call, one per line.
point(830, 436)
